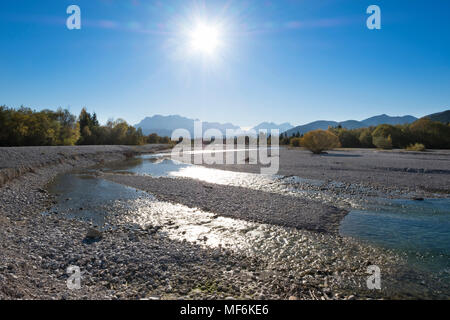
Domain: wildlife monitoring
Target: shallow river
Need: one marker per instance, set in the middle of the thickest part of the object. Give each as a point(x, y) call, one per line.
point(420, 230)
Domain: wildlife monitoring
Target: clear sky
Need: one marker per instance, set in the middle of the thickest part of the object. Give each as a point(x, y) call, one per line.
point(275, 60)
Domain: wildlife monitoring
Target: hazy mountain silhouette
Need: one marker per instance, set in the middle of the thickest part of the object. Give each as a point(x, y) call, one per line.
point(165, 125)
point(271, 126)
point(351, 124)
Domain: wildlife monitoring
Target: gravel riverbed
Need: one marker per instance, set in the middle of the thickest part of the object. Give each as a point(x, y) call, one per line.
point(396, 173)
point(130, 262)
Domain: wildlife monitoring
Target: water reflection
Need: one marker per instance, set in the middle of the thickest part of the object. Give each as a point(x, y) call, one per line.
point(109, 205)
point(419, 228)
point(162, 166)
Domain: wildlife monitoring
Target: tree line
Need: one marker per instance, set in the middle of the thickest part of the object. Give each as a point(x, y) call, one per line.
point(26, 127)
point(423, 132)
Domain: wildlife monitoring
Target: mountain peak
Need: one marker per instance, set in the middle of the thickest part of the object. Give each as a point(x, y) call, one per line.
point(165, 125)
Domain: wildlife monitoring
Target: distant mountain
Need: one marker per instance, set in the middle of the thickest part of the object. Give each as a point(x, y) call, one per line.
point(385, 119)
point(443, 117)
point(165, 125)
point(272, 126)
point(351, 124)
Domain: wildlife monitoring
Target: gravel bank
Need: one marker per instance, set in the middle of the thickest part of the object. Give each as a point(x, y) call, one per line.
point(424, 174)
point(239, 203)
point(17, 161)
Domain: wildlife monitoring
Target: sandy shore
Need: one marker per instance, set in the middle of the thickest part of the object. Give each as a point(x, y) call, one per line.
point(133, 263)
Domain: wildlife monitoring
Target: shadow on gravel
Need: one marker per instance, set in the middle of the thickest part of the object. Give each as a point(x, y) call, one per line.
point(340, 155)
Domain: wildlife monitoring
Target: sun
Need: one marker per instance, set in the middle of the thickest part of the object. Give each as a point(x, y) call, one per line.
point(205, 38)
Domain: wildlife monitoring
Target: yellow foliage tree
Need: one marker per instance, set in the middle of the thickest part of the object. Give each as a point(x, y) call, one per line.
point(318, 141)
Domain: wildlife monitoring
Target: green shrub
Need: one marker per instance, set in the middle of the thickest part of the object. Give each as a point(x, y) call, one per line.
point(383, 142)
point(432, 134)
point(365, 139)
point(348, 138)
point(318, 141)
point(395, 133)
point(295, 142)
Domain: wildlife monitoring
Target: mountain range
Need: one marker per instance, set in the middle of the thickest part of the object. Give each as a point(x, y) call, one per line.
point(351, 124)
point(165, 125)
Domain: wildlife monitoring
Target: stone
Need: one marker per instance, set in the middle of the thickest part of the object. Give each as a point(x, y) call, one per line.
point(93, 234)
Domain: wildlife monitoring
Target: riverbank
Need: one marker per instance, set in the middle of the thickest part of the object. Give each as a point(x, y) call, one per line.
point(393, 173)
point(18, 161)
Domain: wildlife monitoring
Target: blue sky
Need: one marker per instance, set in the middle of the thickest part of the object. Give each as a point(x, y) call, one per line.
point(280, 60)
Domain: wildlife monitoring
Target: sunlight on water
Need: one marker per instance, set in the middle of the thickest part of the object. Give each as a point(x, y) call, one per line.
point(108, 205)
point(418, 228)
point(223, 177)
point(161, 166)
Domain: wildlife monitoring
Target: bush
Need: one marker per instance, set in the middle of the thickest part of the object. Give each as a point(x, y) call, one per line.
point(295, 142)
point(153, 138)
point(365, 139)
point(318, 141)
point(434, 135)
point(348, 139)
point(416, 147)
point(383, 142)
point(393, 133)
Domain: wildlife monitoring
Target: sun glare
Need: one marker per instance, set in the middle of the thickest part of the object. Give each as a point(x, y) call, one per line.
point(205, 38)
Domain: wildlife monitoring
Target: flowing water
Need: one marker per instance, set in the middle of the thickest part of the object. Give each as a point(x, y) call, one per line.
point(420, 229)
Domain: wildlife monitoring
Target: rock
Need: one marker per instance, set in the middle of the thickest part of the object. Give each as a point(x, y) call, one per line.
point(293, 298)
point(93, 234)
point(418, 199)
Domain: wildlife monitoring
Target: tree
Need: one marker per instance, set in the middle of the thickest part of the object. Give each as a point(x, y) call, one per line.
point(318, 141)
point(397, 137)
point(365, 138)
point(432, 134)
point(348, 139)
point(383, 142)
point(295, 142)
point(153, 138)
